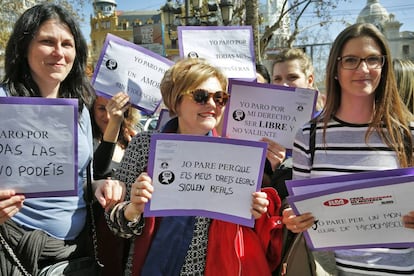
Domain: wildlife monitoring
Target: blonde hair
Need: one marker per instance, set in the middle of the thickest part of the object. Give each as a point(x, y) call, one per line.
point(404, 76)
point(295, 54)
point(184, 76)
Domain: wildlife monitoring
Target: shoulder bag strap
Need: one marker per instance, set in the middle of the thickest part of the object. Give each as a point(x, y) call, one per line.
point(312, 135)
point(89, 202)
point(12, 255)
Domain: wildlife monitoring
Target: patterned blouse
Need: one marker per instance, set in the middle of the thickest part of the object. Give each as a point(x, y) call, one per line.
point(134, 163)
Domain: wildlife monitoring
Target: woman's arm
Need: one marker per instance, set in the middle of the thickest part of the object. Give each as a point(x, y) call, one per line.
point(116, 108)
point(132, 165)
point(102, 158)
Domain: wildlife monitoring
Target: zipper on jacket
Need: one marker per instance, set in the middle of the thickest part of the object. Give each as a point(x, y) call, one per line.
point(239, 247)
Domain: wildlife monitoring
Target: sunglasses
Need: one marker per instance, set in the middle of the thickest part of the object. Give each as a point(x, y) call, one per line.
point(202, 96)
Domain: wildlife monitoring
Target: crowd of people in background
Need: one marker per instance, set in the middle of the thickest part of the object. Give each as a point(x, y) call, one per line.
point(366, 111)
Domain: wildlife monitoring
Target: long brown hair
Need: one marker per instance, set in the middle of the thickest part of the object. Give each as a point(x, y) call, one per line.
point(18, 75)
point(389, 111)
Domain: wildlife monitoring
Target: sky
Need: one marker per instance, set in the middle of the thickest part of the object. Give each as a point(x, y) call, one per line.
point(347, 9)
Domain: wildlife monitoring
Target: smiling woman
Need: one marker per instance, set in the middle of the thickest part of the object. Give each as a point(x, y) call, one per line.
point(50, 56)
point(46, 57)
point(357, 131)
point(177, 245)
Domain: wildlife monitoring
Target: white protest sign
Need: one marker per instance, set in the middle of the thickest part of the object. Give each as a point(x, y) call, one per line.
point(125, 66)
point(38, 146)
point(366, 213)
point(207, 176)
point(257, 110)
point(229, 48)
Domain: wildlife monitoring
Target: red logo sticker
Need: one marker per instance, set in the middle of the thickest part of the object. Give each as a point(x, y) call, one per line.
point(336, 202)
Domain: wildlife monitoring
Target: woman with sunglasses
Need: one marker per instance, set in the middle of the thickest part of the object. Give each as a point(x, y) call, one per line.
point(364, 126)
point(195, 94)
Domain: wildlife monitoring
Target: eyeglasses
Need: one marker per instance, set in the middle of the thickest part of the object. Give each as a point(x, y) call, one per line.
point(352, 62)
point(202, 96)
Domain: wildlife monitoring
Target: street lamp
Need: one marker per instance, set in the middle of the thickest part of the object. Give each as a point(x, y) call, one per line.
point(197, 4)
point(226, 7)
point(196, 14)
point(171, 9)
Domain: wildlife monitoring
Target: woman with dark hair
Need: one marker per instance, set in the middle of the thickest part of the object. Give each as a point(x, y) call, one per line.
point(46, 57)
point(364, 126)
point(19, 75)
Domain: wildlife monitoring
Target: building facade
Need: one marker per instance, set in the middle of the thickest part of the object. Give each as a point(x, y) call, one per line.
point(129, 25)
point(154, 30)
point(401, 43)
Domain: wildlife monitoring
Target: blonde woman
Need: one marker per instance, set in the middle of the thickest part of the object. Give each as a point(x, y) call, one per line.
point(195, 94)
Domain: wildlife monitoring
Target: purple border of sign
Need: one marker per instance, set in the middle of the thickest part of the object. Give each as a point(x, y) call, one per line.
point(180, 29)
point(112, 38)
point(53, 101)
point(203, 139)
point(290, 184)
point(399, 178)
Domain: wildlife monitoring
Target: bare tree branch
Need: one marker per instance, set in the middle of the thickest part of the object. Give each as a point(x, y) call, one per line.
point(295, 12)
point(295, 32)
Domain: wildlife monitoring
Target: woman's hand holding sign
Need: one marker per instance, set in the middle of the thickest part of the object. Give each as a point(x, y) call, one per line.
point(10, 204)
point(275, 153)
point(299, 223)
point(142, 189)
point(408, 220)
point(259, 204)
point(141, 193)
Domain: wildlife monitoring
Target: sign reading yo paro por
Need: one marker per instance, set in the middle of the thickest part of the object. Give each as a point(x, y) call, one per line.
point(125, 66)
point(229, 48)
point(38, 146)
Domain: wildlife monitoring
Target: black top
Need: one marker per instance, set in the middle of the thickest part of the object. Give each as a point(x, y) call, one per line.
point(103, 165)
